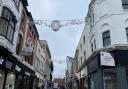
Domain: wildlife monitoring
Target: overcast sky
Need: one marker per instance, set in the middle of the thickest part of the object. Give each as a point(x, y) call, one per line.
point(63, 42)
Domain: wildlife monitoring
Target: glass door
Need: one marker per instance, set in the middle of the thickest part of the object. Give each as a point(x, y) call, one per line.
point(10, 81)
point(110, 79)
point(2, 75)
point(93, 81)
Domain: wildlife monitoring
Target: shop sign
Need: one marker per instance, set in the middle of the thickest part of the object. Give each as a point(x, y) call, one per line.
point(18, 68)
point(107, 59)
point(8, 64)
point(27, 73)
point(1, 61)
point(27, 51)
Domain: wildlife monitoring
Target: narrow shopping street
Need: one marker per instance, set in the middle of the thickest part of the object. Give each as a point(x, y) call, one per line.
point(63, 44)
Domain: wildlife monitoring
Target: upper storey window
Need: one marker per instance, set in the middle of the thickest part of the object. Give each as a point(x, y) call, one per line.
point(7, 24)
point(17, 2)
point(125, 4)
point(106, 38)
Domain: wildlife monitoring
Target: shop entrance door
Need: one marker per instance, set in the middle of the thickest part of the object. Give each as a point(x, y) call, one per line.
point(110, 79)
point(18, 82)
point(10, 81)
point(2, 75)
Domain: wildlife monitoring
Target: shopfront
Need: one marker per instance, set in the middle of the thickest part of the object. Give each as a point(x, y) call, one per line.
point(7, 74)
point(24, 77)
point(39, 80)
point(14, 74)
point(108, 70)
point(2, 76)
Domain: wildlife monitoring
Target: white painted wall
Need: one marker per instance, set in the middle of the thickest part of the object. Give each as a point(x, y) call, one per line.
point(108, 15)
point(17, 12)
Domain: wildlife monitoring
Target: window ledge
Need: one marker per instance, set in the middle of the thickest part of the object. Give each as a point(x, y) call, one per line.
point(11, 43)
point(125, 10)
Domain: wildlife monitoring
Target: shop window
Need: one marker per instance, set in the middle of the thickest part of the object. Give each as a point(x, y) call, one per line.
point(110, 79)
point(18, 82)
point(2, 75)
point(85, 83)
point(93, 82)
point(127, 74)
point(106, 38)
point(10, 81)
point(7, 24)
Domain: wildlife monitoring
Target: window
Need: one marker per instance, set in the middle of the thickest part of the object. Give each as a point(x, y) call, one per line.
point(93, 80)
point(16, 2)
point(19, 44)
point(81, 60)
point(80, 46)
point(106, 38)
point(84, 54)
point(95, 43)
point(125, 4)
point(7, 24)
point(127, 33)
point(2, 76)
point(92, 46)
point(84, 39)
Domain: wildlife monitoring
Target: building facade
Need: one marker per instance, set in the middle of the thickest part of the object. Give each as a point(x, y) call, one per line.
point(20, 48)
point(103, 46)
point(39, 65)
point(48, 64)
point(10, 16)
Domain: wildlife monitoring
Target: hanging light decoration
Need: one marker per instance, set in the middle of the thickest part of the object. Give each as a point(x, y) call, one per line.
point(55, 25)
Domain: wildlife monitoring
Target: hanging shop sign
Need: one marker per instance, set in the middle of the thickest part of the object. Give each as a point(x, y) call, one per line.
point(106, 59)
point(17, 68)
point(27, 51)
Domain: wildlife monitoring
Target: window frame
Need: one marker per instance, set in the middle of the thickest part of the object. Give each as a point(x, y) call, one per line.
point(95, 43)
point(124, 3)
point(92, 47)
point(84, 39)
point(17, 3)
point(126, 29)
point(11, 18)
point(105, 38)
